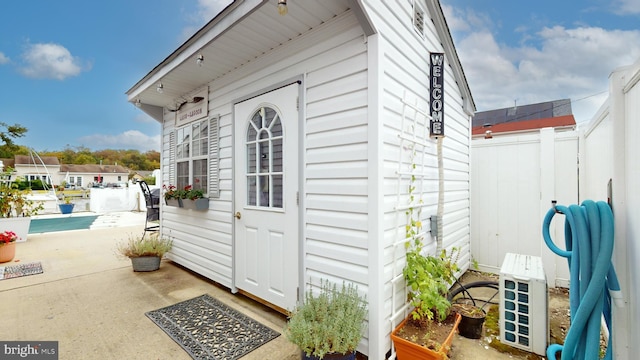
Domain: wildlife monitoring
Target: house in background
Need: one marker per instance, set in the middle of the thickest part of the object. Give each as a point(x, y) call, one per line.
point(49, 170)
point(524, 119)
point(303, 131)
point(87, 175)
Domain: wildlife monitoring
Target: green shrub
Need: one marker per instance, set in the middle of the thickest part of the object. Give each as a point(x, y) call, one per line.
point(151, 245)
point(331, 322)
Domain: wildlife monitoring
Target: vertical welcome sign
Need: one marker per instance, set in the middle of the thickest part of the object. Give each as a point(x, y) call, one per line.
point(436, 95)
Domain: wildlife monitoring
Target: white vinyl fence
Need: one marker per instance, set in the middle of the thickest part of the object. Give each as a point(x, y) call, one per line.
point(514, 179)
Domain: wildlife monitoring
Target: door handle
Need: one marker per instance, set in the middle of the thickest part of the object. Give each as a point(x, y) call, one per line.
point(238, 215)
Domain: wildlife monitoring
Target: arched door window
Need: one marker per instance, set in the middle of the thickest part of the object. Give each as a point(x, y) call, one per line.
point(264, 159)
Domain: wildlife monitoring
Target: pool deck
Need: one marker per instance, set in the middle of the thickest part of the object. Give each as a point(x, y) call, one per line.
point(91, 302)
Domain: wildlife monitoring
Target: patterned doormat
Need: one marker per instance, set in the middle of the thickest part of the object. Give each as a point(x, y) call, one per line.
point(208, 329)
point(14, 271)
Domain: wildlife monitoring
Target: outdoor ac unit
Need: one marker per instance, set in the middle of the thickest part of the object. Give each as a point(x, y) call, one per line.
point(524, 320)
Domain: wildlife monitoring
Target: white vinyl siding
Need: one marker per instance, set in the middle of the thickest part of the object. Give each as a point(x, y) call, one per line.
point(334, 61)
point(404, 74)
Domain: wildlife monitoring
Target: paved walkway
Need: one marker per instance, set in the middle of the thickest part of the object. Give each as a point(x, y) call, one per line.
point(92, 303)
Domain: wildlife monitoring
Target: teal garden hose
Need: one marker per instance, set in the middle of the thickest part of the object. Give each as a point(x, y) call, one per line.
point(593, 282)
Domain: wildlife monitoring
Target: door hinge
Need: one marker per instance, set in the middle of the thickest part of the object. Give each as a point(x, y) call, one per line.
point(297, 198)
point(298, 293)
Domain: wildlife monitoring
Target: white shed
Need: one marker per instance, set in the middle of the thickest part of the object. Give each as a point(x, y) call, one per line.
point(302, 129)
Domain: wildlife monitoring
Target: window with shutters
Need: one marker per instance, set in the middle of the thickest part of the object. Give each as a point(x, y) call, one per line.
point(195, 152)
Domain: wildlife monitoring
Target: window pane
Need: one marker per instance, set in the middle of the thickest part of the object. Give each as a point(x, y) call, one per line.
point(251, 190)
point(276, 127)
point(182, 170)
point(277, 155)
point(263, 185)
point(204, 147)
point(196, 148)
point(200, 174)
point(196, 131)
point(264, 156)
point(251, 158)
point(204, 129)
point(277, 191)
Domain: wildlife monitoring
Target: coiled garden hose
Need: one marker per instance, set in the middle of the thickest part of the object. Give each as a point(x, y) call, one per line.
point(589, 234)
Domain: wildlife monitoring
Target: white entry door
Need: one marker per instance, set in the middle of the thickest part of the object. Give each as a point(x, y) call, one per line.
point(265, 200)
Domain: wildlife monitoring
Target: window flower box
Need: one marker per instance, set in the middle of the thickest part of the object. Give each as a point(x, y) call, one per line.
point(174, 202)
point(196, 204)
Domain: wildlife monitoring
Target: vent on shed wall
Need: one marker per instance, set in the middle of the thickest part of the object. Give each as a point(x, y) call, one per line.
point(418, 19)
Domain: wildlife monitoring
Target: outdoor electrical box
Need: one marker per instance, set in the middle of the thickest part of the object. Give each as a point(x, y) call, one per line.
point(524, 319)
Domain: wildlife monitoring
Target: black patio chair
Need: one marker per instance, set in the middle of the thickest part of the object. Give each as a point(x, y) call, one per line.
point(153, 208)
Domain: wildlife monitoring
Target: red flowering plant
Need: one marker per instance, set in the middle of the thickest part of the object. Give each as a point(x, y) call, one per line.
point(188, 192)
point(7, 237)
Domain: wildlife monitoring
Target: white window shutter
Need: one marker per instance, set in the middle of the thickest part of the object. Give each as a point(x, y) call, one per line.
point(214, 157)
point(172, 158)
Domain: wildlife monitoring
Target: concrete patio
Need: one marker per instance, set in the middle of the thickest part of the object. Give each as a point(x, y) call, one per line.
point(92, 303)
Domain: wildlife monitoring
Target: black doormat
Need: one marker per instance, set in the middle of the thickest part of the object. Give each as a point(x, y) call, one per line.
point(208, 329)
point(14, 271)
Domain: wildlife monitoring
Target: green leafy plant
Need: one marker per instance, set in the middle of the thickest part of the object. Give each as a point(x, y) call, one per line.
point(428, 277)
point(15, 202)
point(150, 245)
point(188, 192)
point(331, 322)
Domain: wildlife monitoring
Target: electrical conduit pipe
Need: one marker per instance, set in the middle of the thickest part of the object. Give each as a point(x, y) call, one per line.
point(589, 246)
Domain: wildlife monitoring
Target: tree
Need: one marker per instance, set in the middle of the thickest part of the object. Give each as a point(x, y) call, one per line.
point(8, 148)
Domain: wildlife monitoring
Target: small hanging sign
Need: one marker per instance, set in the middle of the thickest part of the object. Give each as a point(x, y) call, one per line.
point(193, 109)
point(436, 95)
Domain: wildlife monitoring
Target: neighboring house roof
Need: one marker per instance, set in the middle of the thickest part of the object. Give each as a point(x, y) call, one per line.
point(93, 169)
point(237, 23)
point(524, 117)
point(8, 163)
point(29, 160)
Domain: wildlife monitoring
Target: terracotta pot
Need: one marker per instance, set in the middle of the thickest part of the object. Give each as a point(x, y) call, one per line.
point(7, 252)
point(407, 350)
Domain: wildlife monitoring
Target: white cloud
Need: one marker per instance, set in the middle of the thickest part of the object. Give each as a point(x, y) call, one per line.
point(572, 63)
point(50, 61)
point(3, 59)
point(130, 139)
point(626, 7)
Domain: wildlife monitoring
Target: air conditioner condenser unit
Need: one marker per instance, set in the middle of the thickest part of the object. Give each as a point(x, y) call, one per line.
point(524, 319)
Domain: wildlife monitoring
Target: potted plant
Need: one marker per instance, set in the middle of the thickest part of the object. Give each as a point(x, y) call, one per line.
point(472, 319)
point(187, 197)
point(67, 206)
point(7, 246)
point(171, 196)
point(329, 325)
point(146, 252)
point(428, 277)
point(16, 208)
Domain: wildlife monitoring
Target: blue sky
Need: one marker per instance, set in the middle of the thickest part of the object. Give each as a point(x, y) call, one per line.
point(65, 65)
point(525, 52)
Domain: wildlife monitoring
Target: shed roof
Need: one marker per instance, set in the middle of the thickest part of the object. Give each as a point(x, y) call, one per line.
point(245, 31)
